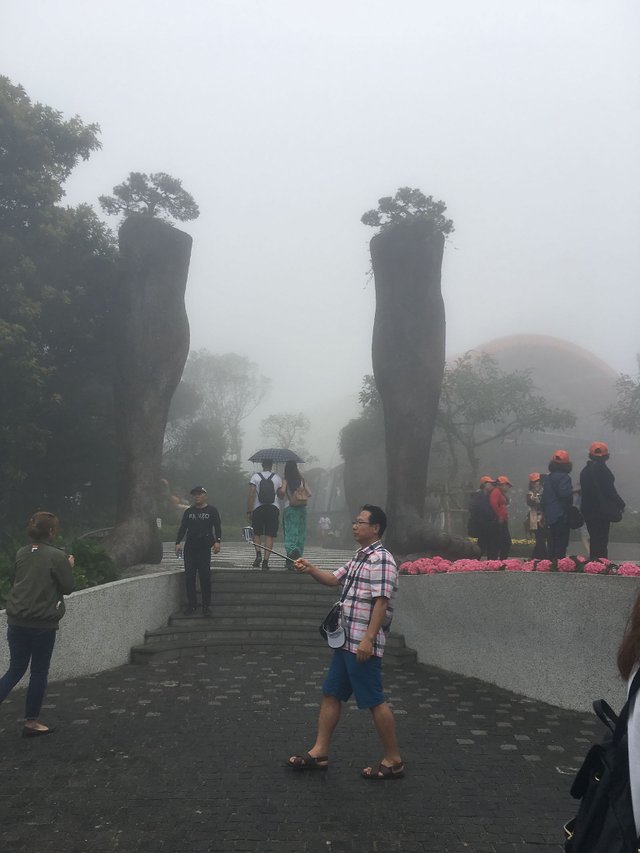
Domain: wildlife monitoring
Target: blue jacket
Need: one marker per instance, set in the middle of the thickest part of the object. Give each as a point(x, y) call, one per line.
point(557, 496)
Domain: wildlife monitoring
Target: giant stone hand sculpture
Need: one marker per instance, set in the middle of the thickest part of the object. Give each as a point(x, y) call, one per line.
point(408, 364)
point(151, 336)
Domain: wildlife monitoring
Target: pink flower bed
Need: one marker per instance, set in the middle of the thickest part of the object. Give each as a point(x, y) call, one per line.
point(580, 564)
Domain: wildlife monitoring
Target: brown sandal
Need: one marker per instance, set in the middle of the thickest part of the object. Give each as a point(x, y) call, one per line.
point(383, 772)
point(308, 762)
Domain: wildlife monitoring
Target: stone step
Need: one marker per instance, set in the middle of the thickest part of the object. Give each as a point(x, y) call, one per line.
point(197, 627)
point(254, 608)
point(152, 652)
point(268, 583)
point(269, 598)
point(308, 611)
point(171, 651)
point(276, 574)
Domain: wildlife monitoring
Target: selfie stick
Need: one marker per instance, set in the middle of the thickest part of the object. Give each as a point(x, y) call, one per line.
point(247, 532)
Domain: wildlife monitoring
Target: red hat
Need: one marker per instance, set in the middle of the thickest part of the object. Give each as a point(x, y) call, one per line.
point(598, 448)
point(486, 479)
point(561, 456)
point(534, 477)
point(503, 481)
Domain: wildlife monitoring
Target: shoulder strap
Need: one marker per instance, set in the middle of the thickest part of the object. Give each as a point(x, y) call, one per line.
point(621, 725)
point(261, 477)
point(347, 586)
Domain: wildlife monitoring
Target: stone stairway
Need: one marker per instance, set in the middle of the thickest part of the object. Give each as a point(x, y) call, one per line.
point(255, 609)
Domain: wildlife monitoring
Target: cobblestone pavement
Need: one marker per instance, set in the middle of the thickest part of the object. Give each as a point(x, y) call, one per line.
point(187, 756)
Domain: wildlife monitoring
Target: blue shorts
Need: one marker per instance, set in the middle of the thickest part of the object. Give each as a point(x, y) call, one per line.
point(347, 676)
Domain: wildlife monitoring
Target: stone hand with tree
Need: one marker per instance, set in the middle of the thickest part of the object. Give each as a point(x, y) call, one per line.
point(409, 355)
point(152, 342)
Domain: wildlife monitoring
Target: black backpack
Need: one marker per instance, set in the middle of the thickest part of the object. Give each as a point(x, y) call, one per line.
point(266, 490)
point(604, 823)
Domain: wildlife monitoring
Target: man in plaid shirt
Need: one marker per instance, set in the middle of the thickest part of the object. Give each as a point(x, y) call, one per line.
point(357, 666)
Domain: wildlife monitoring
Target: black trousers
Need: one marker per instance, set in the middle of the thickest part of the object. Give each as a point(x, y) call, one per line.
point(540, 548)
point(598, 537)
point(499, 542)
point(197, 561)
point(559, 533)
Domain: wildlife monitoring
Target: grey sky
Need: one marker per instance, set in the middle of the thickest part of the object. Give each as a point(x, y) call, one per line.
point(288, 119)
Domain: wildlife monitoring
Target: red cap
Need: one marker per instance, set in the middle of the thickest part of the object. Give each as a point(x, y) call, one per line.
point(486, 479)
point(503, 481)
point(561, 456)
point(534, 477)
point(598, 448)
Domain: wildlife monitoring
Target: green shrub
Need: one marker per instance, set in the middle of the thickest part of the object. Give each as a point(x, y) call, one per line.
point(93, 566)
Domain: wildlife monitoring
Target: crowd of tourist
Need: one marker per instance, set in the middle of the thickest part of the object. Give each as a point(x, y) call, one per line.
point(555, 507)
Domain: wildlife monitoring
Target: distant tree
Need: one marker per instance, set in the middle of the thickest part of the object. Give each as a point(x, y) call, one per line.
point(409, 203)
point(481, 404)
point(196, 454)
point(153, 195)
point(368, 397)
point(230, 387)
point(288, 429)
point(624, 414)
point(57, 267)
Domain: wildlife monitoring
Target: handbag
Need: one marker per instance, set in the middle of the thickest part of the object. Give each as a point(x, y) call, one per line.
point(610, 510)
point(332, 627)
point(574, 517)
point(300, 496)
point(604, 822)
point(572, 513)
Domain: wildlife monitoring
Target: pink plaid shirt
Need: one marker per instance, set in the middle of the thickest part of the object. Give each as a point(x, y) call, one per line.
point(376, 576)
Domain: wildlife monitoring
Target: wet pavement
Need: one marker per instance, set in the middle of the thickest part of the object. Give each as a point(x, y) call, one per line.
point(188, 756)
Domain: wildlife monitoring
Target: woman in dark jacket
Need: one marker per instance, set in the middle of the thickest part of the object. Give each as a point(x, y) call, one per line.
point(35, 606)
point(557, 497)
point(601, 503)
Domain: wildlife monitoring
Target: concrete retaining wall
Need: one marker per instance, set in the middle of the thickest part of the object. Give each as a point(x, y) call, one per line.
point(103, 623)
point(552, 637)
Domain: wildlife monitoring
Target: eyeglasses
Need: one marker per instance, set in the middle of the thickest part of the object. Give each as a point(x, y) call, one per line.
point(358, 521)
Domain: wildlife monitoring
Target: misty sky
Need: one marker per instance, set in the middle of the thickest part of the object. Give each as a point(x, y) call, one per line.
point(287, 119)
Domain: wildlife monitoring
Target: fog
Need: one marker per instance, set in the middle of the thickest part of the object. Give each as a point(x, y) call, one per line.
point(287, 120)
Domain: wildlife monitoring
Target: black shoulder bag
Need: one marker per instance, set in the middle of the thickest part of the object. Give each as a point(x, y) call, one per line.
point(605, 823)
point(574, 517)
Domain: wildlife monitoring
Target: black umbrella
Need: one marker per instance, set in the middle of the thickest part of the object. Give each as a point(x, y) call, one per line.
point(276, 454)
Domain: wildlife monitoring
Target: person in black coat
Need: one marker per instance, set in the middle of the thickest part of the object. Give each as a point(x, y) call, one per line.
point(201, 525)
point(601, 504)
point(481, 517)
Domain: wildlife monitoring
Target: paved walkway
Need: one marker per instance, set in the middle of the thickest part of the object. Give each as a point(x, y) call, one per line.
point(240, 555)
point(187, 757)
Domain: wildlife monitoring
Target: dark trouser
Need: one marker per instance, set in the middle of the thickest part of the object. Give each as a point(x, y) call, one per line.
point(499, 542)
point(28, 644)
point(197, 561)
point(540, 548)
point(559, 533)
point(598, 537)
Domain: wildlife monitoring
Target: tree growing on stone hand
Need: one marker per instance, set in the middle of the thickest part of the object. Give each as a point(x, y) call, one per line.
point(153, 195)
point(409, 203)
